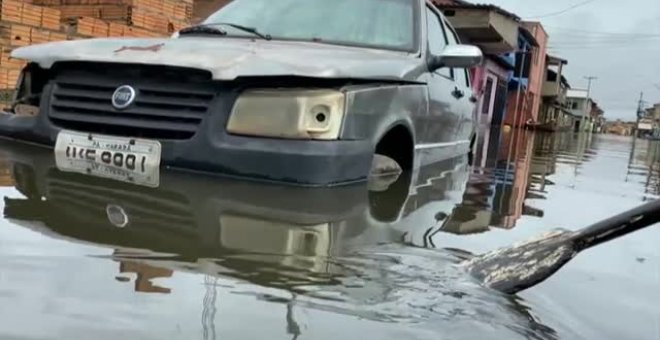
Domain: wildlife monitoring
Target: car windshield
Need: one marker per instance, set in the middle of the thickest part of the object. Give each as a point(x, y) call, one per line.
point(374, 23)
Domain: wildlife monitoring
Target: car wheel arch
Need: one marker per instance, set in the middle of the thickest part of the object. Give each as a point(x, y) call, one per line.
point(397, 141)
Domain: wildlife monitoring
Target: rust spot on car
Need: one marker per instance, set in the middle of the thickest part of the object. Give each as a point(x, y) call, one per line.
point(152, 48)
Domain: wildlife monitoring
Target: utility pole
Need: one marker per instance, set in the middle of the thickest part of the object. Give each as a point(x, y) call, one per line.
point(589, 79)
point(587, 114)
point(640, 105)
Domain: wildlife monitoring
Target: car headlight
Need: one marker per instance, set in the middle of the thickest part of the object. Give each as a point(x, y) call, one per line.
point(294, 114)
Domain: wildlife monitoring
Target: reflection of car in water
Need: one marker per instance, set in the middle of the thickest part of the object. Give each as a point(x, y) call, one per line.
point(304, 241)
point(203, 217)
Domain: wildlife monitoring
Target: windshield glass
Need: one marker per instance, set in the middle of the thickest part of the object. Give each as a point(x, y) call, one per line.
point(375, 23)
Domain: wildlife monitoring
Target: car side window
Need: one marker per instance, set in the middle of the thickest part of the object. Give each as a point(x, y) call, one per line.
point(437, 38)
point(460, 74)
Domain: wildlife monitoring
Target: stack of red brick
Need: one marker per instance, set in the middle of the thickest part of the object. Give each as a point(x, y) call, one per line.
point(102, 18)
point(26, 22)
point(20, 25)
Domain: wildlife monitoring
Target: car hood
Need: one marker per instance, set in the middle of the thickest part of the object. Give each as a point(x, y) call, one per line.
point(230, 58)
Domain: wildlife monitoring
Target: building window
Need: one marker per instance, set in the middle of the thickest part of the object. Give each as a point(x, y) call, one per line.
point(574, 105)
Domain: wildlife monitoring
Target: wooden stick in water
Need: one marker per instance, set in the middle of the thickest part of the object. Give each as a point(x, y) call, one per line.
point(519, 267)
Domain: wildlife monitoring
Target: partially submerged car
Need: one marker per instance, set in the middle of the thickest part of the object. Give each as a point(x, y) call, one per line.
point(299, 91)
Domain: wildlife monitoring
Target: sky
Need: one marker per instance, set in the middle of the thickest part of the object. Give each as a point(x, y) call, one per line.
point(616, 41)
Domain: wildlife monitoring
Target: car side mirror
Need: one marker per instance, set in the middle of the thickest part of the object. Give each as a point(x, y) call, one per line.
point(457, 56)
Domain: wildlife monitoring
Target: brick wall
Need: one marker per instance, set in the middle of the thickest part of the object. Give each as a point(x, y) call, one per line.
point(27, 22)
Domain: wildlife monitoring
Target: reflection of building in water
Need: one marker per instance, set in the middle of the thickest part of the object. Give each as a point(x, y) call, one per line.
point(497, 185)
point(652, 183)
point(644, 162)
point(488, 143)
point(652, 156)
point(145, 273)
point(509, 168)
point(6, 176)
point(544, 164)
point(515, 161)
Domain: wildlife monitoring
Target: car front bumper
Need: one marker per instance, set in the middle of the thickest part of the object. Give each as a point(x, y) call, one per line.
point(298, 162)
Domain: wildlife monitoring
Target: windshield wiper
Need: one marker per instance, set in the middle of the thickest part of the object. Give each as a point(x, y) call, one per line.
point(203, 29)
point(245, 29)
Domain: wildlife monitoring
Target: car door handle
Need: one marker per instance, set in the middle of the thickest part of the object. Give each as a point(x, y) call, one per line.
point(457, 93)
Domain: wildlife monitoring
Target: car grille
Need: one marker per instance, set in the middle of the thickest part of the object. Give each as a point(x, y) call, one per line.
point(170, 104)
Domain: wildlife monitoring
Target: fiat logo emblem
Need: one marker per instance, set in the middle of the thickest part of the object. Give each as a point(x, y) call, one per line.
point(123, 97)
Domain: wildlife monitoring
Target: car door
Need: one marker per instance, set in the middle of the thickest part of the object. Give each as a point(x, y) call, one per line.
point(465, 102)
point(439, 125)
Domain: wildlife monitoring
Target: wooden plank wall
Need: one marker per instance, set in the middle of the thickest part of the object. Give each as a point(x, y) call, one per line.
point(27, 22)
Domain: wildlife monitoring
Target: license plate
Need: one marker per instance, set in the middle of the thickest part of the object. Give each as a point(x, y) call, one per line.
point(120, 158)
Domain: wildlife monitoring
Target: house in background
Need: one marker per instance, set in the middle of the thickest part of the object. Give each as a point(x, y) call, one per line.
point(537, 67)
point(580, 106)
point(650, 116)
point(491, 86)
point(644, 127)
point(520, 100)
point(655, 111)
point(597, 118)
point(554, 114)
point(620, 128)
point(527, 79)
point(495, 32)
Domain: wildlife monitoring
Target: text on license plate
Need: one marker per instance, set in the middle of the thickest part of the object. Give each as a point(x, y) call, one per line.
point(120, 158)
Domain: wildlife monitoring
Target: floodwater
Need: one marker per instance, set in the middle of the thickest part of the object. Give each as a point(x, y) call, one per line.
point(208, 258)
